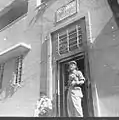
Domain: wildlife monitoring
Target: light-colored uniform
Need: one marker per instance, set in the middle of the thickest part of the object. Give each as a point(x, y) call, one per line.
point(75, 95)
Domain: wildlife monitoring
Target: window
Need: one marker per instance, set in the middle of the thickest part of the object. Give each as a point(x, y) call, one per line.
point(16, 76)
point(11, 61)
point(16, 81)
point(10, 77)
point(12, 12)
point(69, 40)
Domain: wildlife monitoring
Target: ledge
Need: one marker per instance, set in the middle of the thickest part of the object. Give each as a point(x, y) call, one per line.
point(14, 51)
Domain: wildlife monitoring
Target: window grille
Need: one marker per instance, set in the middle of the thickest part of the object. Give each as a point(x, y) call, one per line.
point(63, 43)
point(18, 72)
point(69, 40)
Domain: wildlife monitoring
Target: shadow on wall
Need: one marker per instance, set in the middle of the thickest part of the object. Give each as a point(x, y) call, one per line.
point(105, 68)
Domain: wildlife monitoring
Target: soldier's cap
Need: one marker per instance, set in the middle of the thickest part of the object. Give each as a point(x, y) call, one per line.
point(72, 62)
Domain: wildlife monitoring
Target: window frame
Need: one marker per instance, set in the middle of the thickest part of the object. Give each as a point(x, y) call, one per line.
point(12, 8)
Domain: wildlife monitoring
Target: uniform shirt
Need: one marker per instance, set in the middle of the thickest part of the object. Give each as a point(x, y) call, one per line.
point(76, 76)
point(76, 89)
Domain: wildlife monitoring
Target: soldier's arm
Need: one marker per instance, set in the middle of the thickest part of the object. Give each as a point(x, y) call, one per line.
point(81, 78)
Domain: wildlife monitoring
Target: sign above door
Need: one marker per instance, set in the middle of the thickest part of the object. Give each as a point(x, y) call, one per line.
point(66, 11)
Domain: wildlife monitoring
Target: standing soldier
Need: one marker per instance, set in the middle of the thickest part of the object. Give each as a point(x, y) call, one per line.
point(75, 95)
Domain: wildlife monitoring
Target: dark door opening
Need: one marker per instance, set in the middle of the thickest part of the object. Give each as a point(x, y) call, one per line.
point(63, 84)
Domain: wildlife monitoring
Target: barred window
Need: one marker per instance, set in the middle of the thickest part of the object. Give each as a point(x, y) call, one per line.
point(69, 40)
point(18, 71)
point(13, 58)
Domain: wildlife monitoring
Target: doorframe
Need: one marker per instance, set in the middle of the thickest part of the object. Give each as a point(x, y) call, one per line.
point(87, 75)
point(57, 60)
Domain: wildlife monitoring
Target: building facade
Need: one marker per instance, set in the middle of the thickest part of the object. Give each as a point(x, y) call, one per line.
point(20, 78)
point(84, 31)
point(38, 42)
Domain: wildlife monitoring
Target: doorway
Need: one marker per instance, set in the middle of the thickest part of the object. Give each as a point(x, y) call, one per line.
point(63, 81)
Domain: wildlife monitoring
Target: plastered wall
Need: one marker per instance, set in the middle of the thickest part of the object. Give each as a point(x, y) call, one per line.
point(22, 102)
point(103, 50)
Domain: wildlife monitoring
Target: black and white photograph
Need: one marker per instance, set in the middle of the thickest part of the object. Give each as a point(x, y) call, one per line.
point(59, 58)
